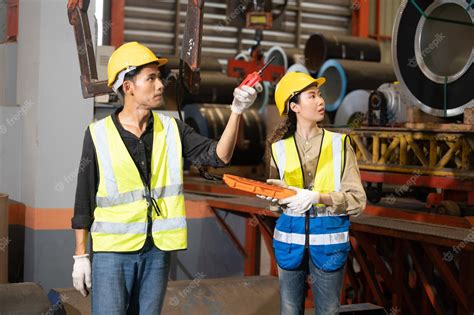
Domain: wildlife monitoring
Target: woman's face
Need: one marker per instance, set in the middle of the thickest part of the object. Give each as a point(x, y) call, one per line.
point(311, 105)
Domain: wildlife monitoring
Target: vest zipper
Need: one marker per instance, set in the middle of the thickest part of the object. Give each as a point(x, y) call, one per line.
point(148, 211)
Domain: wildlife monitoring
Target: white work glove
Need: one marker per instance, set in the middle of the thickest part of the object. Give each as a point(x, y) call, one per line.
point(243, 99)
point(274, 182)
point(302, 201)
point(81, 274)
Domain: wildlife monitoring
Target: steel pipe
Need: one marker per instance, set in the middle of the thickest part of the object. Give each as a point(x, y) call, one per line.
point(285, 57)
point(320, 47)
point(216, 88)
point(353, 111)
point(207, 64)
point(343, 76)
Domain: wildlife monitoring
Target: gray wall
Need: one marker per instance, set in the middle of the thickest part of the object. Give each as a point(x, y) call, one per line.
point(51, 133)
point(3, 19)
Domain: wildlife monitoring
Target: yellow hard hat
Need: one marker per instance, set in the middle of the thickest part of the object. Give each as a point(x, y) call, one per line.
point(128, 55)
point(291, 84)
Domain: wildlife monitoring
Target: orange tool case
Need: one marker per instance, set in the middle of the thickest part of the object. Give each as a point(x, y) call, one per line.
point(257, 187)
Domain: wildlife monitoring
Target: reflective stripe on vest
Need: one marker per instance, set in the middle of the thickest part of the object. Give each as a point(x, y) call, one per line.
point(138, 227)
point(131, 196)
point(280, 157)
point(121, 214)
point(103, 155)
point(314, 239)
point(337, 159)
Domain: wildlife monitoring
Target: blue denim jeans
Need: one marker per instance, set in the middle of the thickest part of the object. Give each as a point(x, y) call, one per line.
point(130, 283)
point(326, 287)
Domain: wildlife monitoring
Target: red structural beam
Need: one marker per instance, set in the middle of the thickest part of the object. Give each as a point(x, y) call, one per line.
point(12, 21)
point(117, 17)
point(442, 182)
point(377, 36)
point(431, 218)
point(426, 282)
point(252, 248)
point(360, 18)
point(377, 281)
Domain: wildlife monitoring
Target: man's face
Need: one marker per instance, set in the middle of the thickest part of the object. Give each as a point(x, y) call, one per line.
point(146, 88)
point(311, 105)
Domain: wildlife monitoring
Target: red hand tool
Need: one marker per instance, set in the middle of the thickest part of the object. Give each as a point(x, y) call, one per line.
point(256, 77)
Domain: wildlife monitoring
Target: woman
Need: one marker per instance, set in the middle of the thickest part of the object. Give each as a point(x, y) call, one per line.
point(312, 233)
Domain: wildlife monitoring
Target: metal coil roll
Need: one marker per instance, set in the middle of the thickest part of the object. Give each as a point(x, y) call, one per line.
point(320, 47)
point(433, 52)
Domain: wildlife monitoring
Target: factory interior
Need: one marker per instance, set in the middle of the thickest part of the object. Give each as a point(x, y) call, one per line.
point(395, 91)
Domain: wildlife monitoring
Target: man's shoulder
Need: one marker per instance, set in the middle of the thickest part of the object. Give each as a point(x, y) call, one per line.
point(100, 121)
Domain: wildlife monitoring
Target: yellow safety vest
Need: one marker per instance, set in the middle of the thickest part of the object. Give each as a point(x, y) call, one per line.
point(329, 168)
point(120, 218)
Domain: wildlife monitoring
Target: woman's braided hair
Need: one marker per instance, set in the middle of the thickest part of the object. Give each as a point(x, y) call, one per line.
point(286, 129)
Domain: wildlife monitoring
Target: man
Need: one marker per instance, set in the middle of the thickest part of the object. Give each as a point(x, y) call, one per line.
point(130, 194)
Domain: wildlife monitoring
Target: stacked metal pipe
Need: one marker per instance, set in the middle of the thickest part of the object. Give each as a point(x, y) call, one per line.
point(344, 76)
point(320, 47)
point(210, 120)
point(215, 88)
point(348, 63)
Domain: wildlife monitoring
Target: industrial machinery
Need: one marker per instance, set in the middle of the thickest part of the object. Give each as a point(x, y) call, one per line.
point(258, 15)
point(433, 155)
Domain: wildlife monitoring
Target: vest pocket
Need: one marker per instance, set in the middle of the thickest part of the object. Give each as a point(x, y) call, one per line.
point(288, 251)
point(331, 257)
point(283, 225)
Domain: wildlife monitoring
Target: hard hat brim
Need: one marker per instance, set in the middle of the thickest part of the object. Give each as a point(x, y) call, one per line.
point(160, 61)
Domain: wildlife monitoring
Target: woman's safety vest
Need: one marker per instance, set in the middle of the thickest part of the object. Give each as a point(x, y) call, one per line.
point(120, 218)
point(326, 235)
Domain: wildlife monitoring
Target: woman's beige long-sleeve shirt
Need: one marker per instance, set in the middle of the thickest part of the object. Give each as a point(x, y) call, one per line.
point(351, 199)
